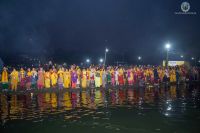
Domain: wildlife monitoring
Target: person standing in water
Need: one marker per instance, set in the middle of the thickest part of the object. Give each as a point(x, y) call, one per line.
point(54, 78)
point(4, 79)
point(66, 78)
point(22, 78)
point(60, 78)
point(33, 78)
point(84, 79)
point(47, 79)
point(74, 78)
point(14, 79)
point(97, 78)
point(28, 79)
point(40, 81)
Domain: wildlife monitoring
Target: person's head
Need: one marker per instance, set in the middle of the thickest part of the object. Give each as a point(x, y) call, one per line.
point(4, 68)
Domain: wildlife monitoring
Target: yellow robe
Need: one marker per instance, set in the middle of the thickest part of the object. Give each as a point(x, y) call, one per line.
point(14, 79)
point(172, 76)
point(4, 77)
point(47, 80)
point(67, 79)
point(29, 74)
point(97, 79)
point(84, 79)
point(54, 78)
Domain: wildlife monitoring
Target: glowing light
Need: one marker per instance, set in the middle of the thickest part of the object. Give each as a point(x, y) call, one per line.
point(167, 46)
point(139, 57)
point(87, 60)
point(101, 60)
point(107, 50)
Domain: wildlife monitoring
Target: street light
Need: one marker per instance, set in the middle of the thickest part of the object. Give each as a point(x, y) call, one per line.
point(106, 51)
point(167, 46)
point(192, 58)
point(88, 60)
point(101, 60)
point(139, 57)
point(182, 56)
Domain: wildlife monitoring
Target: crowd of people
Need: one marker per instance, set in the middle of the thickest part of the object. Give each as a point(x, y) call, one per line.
point(94, 76)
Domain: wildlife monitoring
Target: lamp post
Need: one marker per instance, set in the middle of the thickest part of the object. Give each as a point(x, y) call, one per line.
point(167, 46)
point(106, 51)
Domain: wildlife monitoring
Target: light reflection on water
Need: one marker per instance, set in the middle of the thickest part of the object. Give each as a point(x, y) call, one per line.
point(123, 109)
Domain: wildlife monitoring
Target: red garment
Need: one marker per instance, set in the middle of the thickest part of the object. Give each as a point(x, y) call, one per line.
point(73, 85)
point(121, 79)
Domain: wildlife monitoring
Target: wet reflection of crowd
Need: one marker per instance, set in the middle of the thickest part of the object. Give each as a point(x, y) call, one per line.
point(34, 105)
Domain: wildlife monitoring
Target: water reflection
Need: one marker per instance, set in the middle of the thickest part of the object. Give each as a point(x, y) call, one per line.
point(96, 103)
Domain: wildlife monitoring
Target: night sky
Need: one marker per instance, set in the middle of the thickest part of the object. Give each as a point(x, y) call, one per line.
point(72, 30)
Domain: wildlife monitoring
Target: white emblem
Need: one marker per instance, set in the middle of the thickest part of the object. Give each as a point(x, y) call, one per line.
point(185, 7)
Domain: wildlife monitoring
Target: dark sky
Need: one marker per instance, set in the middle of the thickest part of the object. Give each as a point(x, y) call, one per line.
point(73, 30)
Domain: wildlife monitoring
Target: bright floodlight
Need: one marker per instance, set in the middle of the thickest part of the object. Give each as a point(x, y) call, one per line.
point(192, 58)
point(167, 46)
point(107, 50)
point(139, 57)
point(87, 60)
point(181, 56)
point(101, 60)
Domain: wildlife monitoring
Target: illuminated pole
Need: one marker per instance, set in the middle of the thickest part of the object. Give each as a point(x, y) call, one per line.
point(167, 46)
point(106, 51)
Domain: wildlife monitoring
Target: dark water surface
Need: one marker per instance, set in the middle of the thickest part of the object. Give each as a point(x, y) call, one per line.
point(123, 110)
